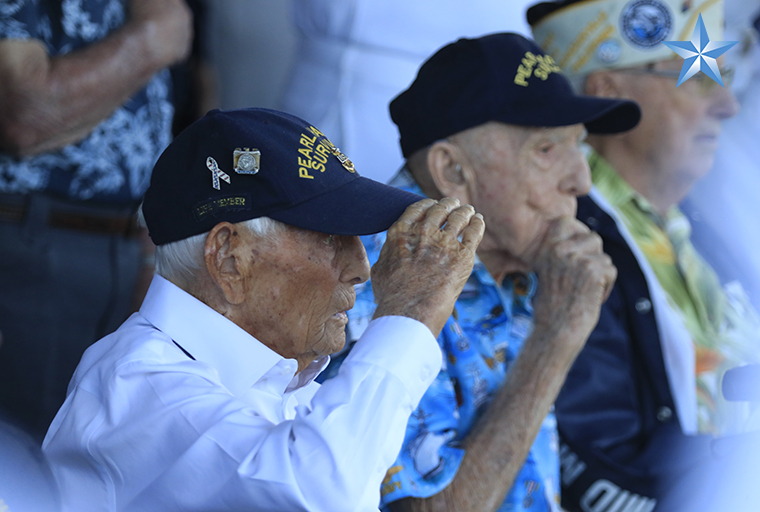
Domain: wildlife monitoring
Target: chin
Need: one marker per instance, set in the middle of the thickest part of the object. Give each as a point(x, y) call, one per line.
point(333, 342)
point(698, 170)
point(338, 344)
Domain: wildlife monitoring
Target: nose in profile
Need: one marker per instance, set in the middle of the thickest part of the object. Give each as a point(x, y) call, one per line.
point(577, 181)
point(354, 258)
point(723, 103)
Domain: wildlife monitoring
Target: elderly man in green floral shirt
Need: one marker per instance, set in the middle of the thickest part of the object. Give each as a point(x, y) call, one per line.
point(643, 401)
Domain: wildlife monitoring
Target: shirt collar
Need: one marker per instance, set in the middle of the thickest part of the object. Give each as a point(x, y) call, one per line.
point(609, 182)
point(239, 358)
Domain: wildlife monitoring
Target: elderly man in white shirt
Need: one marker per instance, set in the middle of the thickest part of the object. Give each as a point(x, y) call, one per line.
point(205, 399)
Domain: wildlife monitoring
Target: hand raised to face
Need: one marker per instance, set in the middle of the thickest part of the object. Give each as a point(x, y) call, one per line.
point(423, 265)
point(574, 278)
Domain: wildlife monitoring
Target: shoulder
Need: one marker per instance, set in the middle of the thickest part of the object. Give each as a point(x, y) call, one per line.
point(135, 347)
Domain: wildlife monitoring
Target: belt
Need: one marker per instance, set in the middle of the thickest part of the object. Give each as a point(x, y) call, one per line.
point(58, 215)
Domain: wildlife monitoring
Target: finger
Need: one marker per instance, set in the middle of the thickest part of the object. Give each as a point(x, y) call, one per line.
point(414, 213)
point(458, 220)
point(564, 227)
point(437, 215)
point(609, 280)
point(473, 233)
point(580, 244)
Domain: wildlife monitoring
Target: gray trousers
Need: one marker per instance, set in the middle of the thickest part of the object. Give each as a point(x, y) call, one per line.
point(60, 291)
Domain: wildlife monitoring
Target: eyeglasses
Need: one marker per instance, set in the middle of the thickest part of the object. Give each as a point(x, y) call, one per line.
point(705, 84)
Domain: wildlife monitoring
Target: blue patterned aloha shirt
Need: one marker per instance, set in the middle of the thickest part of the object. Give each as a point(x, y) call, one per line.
point(114, 162)
point(479, 342)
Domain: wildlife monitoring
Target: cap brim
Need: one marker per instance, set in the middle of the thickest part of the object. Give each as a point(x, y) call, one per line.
point(600, 115)
point(360, 207)
point(609, 116)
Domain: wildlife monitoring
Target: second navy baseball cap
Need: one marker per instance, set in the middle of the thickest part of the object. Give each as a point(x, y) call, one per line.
point(499, 77)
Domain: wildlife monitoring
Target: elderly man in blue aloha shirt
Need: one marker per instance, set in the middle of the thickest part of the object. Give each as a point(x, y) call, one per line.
point(492, 122)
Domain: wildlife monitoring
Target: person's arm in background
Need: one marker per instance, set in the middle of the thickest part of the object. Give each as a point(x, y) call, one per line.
point(49, 102)
point(575, 277)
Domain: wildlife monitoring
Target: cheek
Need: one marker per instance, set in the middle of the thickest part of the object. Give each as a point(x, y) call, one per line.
point(322, 299)
point(547, 202)
point(675, 120)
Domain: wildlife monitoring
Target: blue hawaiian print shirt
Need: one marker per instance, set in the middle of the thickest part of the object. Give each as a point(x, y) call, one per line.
point(114, 162)
point(479, 342)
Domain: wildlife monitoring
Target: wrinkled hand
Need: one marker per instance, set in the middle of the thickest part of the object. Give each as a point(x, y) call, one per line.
point(169, 28)
point(423, 266)
point(574, 278)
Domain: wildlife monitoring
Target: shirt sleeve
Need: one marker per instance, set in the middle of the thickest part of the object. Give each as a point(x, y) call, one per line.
point(173, 439)
point(430, 456)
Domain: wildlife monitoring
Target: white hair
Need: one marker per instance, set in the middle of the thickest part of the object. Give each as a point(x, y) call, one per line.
point(180, 261)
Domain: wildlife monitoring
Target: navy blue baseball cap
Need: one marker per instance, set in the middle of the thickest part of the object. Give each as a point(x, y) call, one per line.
point(499, 77)
point(237, 165)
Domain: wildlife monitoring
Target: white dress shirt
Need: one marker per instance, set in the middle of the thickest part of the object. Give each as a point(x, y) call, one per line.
point(180, 409)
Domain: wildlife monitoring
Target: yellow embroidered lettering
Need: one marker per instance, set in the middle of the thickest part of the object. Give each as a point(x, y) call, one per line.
point(320, 157)
point(317, 132)
point(318, 167)
point(304, 163)
point(305, 152)
point(545, 67)
point(303, 173)
point(522, 74)
point(525, 70)
point(307, 141)
point(329, 145)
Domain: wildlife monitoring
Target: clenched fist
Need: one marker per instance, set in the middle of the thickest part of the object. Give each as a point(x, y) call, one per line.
point(423, 266)
point(574, 278)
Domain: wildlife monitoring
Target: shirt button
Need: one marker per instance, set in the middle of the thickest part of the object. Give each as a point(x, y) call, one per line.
point(592, 222)
point(643, 305)
point(664, 413)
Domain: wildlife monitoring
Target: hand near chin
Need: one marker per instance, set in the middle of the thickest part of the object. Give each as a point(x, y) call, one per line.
point(574, 278)
point(423, 266)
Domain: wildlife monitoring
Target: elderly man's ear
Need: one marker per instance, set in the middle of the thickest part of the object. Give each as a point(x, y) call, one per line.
point(451, 177)
point(225, 261)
